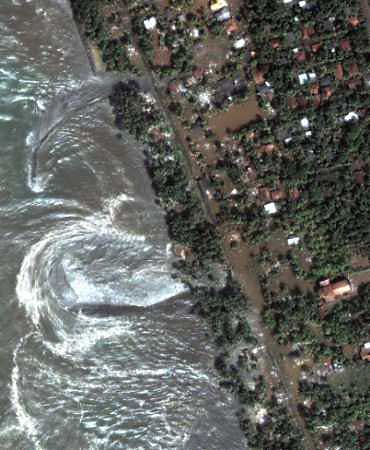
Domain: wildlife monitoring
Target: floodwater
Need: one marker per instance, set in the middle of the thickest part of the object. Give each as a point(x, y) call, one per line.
point(80, 231)
point(235, 117)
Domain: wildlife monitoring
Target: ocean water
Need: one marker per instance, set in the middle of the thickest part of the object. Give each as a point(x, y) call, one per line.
point(79, 230)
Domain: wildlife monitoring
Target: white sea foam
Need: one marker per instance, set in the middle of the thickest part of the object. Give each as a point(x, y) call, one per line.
point(6, 117)
point(26, 422)
point(141, 279)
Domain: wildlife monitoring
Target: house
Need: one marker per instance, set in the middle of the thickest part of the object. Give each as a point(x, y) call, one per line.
point(354, 21)
point(339, 72)
point(175, 87)
point(266, 149)
point(305, 123)
point(316, 47)
point(182, 251)
point(294, 194)
point(328, 92)
point(234, 239)
point(275, 44)
point(307, 33)
point(300, 56)
point(315, 89)
point(223, 15)
point(150, 23)
point(331, 292)
point(278, 195)
point(263, 194)
point(345, 45)
point(365, 352)
point(294, 240)
point(196, 76)
point(354, 70)
point(271, 208)
point(240, 43)
point(232, 27)
point(259, 77)
point(351, 117)
point(308, 77)
point(267, 195)
point(217, 5)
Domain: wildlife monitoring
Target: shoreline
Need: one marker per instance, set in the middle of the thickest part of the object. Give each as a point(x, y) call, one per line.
point(265, 362)
point(92, 51)
point(95, 58)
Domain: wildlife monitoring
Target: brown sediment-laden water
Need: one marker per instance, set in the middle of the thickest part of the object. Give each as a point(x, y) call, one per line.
point(98, 349)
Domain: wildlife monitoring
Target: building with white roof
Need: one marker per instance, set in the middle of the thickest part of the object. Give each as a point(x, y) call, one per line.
point(270, 208)
point(150, 23)
point(294, 240)
point(305, 123)
point(240, 43)
point(217, 5)
point(351, 116)
point(306, 77)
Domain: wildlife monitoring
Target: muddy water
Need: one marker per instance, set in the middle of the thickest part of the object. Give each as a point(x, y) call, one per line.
point(80, 231)
point(235, 117)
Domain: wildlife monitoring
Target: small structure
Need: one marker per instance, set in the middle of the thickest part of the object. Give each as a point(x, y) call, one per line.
point(150, 23)
point(271, 208)
point(351, 117)
point(217, 5)
point(240, 43)
point(232, 27)
point(235, 239)
point(277, 195)
point(354, 21)
point(331, 292)
point(345, 45)
point(339, 72)
point(305, 123)
point(306, 77)
point(365, 352)
point(223, 15)
point(209, 194)
point(181, 251)
point(294, 240)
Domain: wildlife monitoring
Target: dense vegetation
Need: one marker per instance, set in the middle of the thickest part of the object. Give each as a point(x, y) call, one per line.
point(341, 408)
point(109, 34)
point(333, 342)
point(294, 317)
point(186, 220)
point(327, 160)
point(225, 311)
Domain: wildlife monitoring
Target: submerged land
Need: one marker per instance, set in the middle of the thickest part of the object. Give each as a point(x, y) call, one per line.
point(255, 124)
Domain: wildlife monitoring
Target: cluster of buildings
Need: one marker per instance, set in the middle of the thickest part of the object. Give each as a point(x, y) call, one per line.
point(309, 83)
